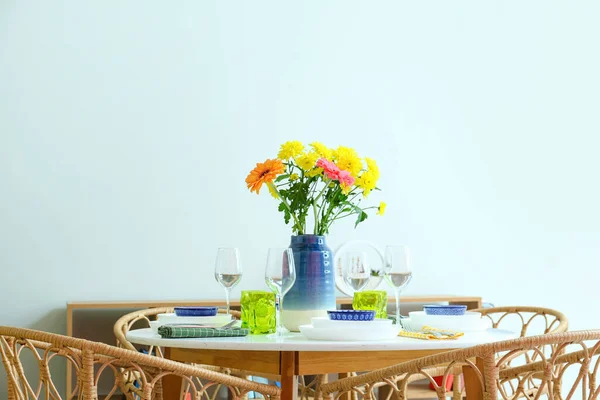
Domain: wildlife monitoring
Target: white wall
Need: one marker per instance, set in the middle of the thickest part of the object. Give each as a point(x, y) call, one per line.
point(127, 129)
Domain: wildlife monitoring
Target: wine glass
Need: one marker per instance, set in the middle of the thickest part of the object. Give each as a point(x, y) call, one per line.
point(356, 270)
point(398, 272)
point(280, 275)
point(228, 271)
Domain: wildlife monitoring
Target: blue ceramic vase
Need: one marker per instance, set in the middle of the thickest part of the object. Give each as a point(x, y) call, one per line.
point(313, 292)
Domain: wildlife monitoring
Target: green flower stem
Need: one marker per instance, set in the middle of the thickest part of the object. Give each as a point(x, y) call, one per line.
point(327, 182)
point(336, 191)
point(349, 200)
point(314, 204)
point(292, 166)
point(324, 213)
point(300, 227)
point(342, 217)
point(316, 231)
point(312, 189)
point(337, 216)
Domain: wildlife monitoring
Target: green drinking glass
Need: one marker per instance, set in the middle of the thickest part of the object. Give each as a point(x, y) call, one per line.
point(258, 311)
point(371, 300)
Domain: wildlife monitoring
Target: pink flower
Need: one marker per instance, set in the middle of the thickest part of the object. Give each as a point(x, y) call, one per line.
point(345, 178)
point(329, 169)
point(332, 171)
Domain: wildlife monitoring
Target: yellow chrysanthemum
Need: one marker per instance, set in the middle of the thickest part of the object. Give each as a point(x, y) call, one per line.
point(294, 177)
point(372, 167)
point(272, 190)
point(290, 149)
point(322, 150)
point(367, 182)
point(314, 172)
point(381, 209)
point(307, 160)
point(346, 189)
point(347, 159)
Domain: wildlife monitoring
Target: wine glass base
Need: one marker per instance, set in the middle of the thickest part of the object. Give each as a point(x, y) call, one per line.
point(281, 332)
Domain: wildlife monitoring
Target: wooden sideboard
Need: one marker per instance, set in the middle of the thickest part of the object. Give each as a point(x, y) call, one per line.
point(470, 301)
point(94, 320)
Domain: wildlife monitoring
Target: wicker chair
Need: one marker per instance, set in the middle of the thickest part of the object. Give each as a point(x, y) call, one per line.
point(489, 374)
point(142, 318)
point(540, 320)
point(528, 320)
point(92, 361)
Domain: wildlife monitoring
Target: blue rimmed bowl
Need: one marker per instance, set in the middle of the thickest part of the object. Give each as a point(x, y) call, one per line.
point(445, 310)
point(351, 315)
point(196, 311)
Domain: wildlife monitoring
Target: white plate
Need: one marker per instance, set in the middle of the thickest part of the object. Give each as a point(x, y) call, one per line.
point(154, 325)
point(174, 319)
point(324, 322)
point(336, 334)
point(455, 324)
point(376, 263)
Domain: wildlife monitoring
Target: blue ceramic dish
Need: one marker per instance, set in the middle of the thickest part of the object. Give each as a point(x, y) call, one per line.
point(196, 311)
point(351, 315)
point(445, 310)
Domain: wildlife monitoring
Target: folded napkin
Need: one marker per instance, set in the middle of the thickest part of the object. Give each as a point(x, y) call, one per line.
point(429, 333)
point(198, 331)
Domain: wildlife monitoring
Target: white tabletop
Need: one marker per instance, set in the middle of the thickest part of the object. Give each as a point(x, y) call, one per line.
point(298, 342)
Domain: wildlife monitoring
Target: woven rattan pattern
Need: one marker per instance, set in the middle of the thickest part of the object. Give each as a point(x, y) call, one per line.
point(526, 320)
point(91, 360)
point(493, 371)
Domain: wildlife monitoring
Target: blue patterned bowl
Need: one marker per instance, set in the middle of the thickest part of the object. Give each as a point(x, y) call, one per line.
point(351, 315)
point(445, 310)
point(196, 311)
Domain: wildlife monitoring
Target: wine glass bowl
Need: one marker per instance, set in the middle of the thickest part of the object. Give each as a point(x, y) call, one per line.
point(398, 280)
point(356, 270)
point(228, 271)
point(280, 276)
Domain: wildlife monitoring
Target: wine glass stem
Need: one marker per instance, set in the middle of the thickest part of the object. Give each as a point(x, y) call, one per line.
point(397, 292)
point(227, 298)
point(278, 300)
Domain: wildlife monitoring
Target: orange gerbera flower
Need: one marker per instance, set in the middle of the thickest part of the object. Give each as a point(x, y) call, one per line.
point(264, 173)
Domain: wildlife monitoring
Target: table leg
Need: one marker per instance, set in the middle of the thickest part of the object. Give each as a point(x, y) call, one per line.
point(348, 395)
point(473, 386)
point(289, 381)
point(171, 384)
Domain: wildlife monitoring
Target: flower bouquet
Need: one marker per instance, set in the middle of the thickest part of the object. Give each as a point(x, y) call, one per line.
point(325, 183)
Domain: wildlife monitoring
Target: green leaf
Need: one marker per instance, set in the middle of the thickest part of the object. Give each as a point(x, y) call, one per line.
point(354, 207)
point(361, 217)
point(281, 177)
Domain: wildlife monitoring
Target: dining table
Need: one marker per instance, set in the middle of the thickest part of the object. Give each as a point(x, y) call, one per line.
point(294, 354)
